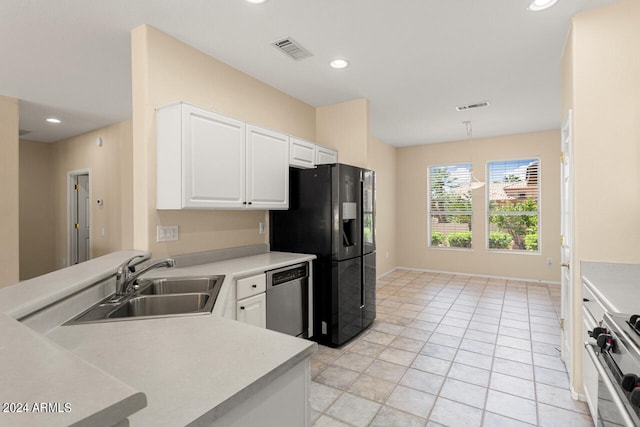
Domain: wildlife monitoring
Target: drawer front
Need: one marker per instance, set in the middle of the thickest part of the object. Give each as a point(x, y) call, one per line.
point(251, 286)
point(591, 304)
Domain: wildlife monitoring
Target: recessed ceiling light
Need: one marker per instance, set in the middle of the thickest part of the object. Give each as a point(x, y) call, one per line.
point(538, 5)
point(53, 120)
point(339, 63)
point(256, 1)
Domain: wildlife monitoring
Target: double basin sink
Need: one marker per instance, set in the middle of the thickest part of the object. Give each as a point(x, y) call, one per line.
point(163, 297)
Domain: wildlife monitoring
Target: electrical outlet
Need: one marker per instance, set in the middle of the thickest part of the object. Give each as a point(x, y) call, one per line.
point(261, 227)
point(549, 261)
point(167, 233)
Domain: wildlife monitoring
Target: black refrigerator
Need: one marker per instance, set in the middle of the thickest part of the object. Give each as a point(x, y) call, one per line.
point(331, 215)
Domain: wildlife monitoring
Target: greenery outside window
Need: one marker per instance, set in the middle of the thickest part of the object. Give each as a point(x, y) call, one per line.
point(449, 206)
point(514, 195)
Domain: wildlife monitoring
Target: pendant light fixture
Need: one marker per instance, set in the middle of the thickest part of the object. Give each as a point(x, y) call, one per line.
point(475, 182)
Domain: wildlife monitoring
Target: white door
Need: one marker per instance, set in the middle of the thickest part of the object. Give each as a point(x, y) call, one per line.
point(80, 217)
point(566, 240)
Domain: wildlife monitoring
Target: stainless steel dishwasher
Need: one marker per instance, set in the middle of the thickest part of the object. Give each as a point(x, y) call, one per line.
point(288, 300)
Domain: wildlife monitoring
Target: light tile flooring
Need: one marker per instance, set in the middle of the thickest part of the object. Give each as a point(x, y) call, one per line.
point(450, 350)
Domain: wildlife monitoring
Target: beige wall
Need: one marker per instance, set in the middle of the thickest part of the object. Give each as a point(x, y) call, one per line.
point(411, 215)
point(110, 177)
point(165, 70)
point(9, 177)
point(345, 127)
point(601, 66)
point(36, 209)
point(382, 159)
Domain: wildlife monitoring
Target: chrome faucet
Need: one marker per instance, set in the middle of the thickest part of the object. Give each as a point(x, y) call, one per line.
point(125, 275)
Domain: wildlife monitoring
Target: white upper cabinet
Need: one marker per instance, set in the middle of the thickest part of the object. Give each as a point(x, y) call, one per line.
point(325, 155)
point(302, 154)
point(210, 161)
point(267, 169)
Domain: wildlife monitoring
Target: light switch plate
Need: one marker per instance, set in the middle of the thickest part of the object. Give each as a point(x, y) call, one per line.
point(167, 233)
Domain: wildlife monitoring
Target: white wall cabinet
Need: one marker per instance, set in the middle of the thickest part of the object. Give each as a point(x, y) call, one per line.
point(302, 154)
point(267, 169)
point(325, 155)
point(206, 160)
point(306, 154)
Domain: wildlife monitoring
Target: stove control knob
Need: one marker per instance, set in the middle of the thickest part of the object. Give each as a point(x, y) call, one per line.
point(596, 332)
point(629, 382)
point(605, 341)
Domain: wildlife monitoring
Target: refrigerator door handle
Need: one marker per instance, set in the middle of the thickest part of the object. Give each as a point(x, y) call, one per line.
point(362, 284)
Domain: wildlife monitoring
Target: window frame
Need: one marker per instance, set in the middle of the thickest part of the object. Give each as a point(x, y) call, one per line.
point(430, 230)
point(489, 213)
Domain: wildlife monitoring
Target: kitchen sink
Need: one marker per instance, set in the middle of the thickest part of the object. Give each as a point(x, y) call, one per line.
point(161, 305)
point(152, 298)
point(176, 285)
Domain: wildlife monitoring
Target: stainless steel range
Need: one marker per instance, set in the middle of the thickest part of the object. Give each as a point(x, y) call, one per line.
point(616, 356)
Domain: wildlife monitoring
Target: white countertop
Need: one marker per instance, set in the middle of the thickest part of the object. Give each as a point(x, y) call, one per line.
point(191, 369)
point(34, 370)
point(617, 286)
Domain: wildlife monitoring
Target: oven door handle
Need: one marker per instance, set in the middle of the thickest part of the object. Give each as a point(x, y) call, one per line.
point(610, 386)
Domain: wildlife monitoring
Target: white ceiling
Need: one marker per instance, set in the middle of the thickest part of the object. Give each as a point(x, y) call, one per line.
point(415, 60)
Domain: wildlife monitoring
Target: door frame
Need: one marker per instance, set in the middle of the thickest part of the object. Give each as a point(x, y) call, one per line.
point(71, 216)
point(567, 242)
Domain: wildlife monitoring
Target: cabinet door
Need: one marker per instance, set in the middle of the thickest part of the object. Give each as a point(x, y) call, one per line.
point(301, 153)
point(267, 169)
point(213, 160)
point(253, 310)
point(325, 156)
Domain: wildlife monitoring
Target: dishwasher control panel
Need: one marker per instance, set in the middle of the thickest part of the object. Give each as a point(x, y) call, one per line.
point(288, 274)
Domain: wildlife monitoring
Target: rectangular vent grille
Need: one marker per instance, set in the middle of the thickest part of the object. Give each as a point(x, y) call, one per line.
point(23, 132)
point(291, 48)
point(472, 106)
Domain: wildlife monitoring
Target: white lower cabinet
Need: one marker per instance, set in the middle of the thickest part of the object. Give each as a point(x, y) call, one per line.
point(253, 310)
point(251, 300)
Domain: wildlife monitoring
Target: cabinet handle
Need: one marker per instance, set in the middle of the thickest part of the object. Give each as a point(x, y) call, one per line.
point(585, 300)
point(242, 307)
point(249, 203)
point(244, 203)
point(254, 286)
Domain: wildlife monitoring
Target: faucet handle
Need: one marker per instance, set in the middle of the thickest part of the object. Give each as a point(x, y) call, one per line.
point(126, 266)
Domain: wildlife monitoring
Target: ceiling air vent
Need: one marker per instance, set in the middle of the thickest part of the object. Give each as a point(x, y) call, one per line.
point(472, 106)
point(23, 132)
point(291, 48)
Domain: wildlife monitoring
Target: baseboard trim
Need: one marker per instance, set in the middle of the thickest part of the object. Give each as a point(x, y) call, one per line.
point(489, 276)
point(387, 273)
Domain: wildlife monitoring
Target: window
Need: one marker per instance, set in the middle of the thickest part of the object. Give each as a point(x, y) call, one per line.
point(449, 206)
point(514, 212)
